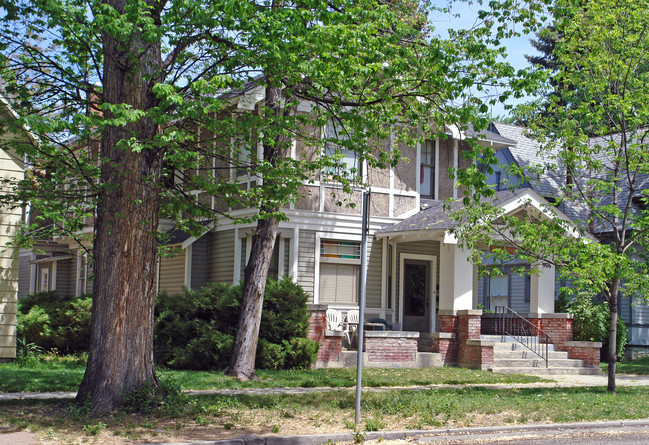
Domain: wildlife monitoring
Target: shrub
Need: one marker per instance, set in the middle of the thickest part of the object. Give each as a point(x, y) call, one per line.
point(196, 329)
point(592, 321)
point(53, 321)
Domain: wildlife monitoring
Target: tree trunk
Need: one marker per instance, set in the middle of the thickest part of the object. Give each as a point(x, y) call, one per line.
point(242, 364)
point(125, 245)
point(612, 334)
point(612, 349)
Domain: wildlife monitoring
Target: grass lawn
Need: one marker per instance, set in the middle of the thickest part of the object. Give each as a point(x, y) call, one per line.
point(214, 417)
point(65, 373)
point(639, 366)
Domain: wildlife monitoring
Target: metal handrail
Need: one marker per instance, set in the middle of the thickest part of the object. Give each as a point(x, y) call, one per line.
point(523, 331)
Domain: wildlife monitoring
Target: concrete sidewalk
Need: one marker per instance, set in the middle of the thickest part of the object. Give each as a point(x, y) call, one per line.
point(555, 381)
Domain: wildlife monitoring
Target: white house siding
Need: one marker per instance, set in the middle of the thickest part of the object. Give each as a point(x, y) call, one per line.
point(10, 167)
point(306, 261)
point(221, 250)
point(200, 261)
point(172, 273)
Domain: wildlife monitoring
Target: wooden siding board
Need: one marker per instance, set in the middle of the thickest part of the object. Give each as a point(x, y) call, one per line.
point(374, 273)
point(172, 273)
point(200, 261)
point(221, 253)
point(306, 260)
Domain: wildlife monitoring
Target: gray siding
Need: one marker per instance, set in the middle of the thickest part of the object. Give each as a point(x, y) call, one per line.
point(374, 273)
point(287, 252)
point(221, 252)
point(24, 275)
point(172, 274)
point(244, 258)
point(517, 294)
point(306, 260)
point(65, 277)
point(200, 261)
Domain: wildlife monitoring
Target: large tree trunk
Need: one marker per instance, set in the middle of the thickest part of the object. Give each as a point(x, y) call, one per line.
point(242, 365)
point(125, 246)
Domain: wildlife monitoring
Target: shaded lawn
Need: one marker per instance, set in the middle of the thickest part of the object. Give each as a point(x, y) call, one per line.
point(228, 416)
point(65, 374)
point(639, 366)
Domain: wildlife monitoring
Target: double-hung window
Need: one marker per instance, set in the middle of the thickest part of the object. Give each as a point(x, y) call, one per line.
point(347, 161)
point(427, 170)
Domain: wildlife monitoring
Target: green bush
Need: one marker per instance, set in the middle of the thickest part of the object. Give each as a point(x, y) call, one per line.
point(196, 329)
point(52, 321)
point(591, 323)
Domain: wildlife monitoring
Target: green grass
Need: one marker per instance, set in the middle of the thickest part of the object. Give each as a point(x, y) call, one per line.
point(301, 413)
point(65, 373)
point(639, 366)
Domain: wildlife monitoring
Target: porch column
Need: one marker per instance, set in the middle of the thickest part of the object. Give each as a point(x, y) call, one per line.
point(542, 290)
point(456, 278)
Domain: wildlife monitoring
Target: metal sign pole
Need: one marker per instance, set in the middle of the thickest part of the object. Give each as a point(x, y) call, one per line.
point(361, 303)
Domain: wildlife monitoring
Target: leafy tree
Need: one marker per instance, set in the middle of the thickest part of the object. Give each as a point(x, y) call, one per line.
point(603, 56)
point(141, 112)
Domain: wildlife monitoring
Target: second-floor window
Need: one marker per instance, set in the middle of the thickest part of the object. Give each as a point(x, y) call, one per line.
point(427, 170)
point(349, 161)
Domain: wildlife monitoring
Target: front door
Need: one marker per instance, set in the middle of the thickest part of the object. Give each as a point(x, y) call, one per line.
point(416, 295)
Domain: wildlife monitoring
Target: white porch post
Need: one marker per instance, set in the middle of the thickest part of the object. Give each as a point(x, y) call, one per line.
point(542, 290)
point(455, 278)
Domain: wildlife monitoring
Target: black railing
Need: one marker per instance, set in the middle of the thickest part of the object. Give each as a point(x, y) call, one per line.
point(524, 332)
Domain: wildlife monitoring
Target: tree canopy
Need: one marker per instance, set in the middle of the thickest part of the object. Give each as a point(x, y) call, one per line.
point(150, 109)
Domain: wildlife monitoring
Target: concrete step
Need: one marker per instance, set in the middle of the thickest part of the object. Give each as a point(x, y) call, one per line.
point(501, 346)
point(585, 370)
point(526, 353)
point(536, 363)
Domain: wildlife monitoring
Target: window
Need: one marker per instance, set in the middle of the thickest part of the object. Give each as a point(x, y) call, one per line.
point(339, 271)
point(427, 170)
point(244, 155)
point(347, 161)
point(509, 288)
point(45, 279)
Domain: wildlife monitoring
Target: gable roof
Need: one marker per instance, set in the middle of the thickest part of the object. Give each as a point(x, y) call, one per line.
point(436, 217)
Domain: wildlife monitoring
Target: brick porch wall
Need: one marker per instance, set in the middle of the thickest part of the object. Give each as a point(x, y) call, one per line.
point(391, 347)
point(472, 352)
point(330, 343)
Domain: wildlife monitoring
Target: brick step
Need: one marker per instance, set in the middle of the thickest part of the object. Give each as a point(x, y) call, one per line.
point(526, 353)
point(585, 370)
point(536, 363)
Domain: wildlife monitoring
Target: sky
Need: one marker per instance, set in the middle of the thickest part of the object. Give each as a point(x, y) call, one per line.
point(517, 47)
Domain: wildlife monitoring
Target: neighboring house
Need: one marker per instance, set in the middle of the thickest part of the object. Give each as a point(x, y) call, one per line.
point(525, 153)
point(11, 166)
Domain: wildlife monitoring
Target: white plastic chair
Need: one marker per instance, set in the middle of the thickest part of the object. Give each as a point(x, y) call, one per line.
point(334, 320)
point(351, 324)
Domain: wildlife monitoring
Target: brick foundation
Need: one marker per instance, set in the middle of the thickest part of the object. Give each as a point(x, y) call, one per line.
point(391, 347)
point(588, 351)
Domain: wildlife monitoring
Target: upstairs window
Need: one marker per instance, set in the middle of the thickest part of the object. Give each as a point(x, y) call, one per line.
point(427, 170)
point(349, 165)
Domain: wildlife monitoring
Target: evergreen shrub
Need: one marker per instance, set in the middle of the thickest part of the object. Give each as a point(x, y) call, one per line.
point(51, 321)
point(196, 329)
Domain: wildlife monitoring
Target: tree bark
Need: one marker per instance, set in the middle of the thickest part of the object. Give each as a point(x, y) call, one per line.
point(125, 245)
point(612, 332)
point(242, 365)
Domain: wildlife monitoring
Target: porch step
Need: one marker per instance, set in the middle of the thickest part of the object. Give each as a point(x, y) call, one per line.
point(583, 370)
point(536, 362)
point(511, 357)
